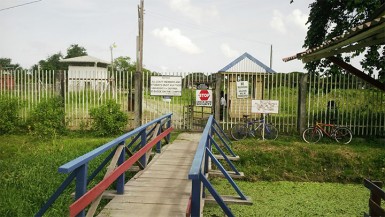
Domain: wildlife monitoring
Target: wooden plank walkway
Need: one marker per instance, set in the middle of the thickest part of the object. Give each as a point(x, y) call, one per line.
point(163, 188)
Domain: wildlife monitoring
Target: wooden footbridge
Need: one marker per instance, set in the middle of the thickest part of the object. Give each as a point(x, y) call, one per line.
point(173, 182)
point(163, 188)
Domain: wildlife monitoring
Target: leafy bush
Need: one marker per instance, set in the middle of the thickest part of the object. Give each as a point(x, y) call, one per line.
point(108, 119)
point(9, 115)
point(47, 119)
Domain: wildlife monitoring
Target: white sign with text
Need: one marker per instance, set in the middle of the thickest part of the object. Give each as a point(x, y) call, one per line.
point(166, 86)
point(242, 89)
point(265, 106)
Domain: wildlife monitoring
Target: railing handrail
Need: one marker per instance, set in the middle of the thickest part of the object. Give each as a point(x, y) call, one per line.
point(76, 163)
point(200, 153)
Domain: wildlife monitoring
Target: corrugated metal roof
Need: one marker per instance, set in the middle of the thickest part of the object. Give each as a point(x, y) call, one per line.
point(246, 63)
point(369, 33)
point(84, 59)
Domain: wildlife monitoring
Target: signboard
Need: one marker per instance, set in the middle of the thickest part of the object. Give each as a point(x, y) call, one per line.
point(242, 89)
point(204, 97)
point(264, 106)
point(166, 86)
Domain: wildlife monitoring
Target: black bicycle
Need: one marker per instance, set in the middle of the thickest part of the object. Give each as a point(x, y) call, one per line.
point(253, 128)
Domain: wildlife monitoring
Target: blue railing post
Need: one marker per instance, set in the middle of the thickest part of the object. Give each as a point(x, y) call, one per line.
point(120, 180)
point(196, 198)
point(168, 126)
point(143, 159)
point(159, 144)
point(81, 184)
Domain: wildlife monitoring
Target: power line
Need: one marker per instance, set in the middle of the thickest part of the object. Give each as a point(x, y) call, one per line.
point(32, 2)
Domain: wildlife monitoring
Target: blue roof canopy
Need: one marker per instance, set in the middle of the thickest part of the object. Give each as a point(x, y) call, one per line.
point(236, 65)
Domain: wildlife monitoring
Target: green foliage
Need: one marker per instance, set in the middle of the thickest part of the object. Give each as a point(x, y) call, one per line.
point(52, 63)
point(108, 119)
point(29, 176)
point(47, 119)
point(290, 159)
point(75, 50)
point(9, 115)
point(331, 18)
point(6, 64)
point(294, 199)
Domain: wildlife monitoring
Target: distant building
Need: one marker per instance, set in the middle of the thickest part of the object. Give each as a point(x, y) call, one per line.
point(86, 72)
point(249, 70)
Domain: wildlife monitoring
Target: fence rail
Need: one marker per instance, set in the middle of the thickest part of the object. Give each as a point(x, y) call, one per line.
point(344, 98)
point(136, 144)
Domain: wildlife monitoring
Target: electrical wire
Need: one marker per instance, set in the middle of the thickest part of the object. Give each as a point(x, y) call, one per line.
point(32, 2)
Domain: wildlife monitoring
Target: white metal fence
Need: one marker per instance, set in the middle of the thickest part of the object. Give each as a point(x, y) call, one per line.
point(344, 98)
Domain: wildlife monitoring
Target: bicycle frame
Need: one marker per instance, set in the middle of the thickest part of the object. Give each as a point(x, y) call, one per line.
point(322, 126)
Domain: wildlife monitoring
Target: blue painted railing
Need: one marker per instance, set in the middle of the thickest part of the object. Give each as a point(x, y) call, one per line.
point(200, 168)
point(78, 168)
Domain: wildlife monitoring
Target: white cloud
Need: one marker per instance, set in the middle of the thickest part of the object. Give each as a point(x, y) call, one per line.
point(298, 18)
point(281, 23)
point(277, 22)
point(174, 38)
point(228, 51)
point(193, 12)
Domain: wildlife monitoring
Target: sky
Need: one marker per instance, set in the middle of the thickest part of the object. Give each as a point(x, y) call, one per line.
point(179, 35)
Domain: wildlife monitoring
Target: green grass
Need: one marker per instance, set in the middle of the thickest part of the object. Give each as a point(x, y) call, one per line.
point(288, 177)
point(29, 176)
point(285, 177)
point(290, 159)
point(295, 199)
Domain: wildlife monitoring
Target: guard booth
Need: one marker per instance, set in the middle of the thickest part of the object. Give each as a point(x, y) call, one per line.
point(243, 81)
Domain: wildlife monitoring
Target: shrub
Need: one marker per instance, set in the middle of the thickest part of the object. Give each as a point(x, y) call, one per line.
point(108, 119)
point(9, 115)
point(47, 119)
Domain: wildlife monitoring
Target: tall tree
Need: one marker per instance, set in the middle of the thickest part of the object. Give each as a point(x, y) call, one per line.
point(52, 62)
point(75, 50)
point(6, 64)
point(123, 63)
point(330, 18)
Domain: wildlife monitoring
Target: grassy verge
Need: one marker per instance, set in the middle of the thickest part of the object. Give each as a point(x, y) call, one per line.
point(29, 175)
point(295, 199)
point(288, 177)
point(290, 159)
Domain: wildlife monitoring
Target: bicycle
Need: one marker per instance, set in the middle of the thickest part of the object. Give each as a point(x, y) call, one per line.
point(314, 133)
point(249, 128)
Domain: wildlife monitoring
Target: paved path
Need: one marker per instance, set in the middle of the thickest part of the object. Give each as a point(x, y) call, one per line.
point(163, 188)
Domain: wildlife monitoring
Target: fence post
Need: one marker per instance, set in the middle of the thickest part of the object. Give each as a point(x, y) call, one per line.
point(138, 99)
point(375, 198)
point(217, 98)
point(302, 93)
point(196, 197)
point(120, 180)
point(81, 184)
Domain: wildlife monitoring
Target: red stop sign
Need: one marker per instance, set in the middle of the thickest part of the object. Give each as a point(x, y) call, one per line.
point(204, 95)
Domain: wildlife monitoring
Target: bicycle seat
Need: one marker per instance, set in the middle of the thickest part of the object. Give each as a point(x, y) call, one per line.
point(246, 116)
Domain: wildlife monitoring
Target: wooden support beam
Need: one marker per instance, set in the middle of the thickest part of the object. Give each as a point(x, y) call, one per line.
point(351, 69)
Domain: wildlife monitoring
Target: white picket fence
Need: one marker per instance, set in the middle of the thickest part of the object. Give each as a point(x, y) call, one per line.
point(352, 102)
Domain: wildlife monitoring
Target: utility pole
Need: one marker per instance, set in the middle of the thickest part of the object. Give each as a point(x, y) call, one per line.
point(139, 67)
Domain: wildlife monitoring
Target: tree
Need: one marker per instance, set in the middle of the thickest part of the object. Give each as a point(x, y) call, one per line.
point(330, 18)
point(123, 63)
point(75, 50)
point(52, 62)
point(6, 64)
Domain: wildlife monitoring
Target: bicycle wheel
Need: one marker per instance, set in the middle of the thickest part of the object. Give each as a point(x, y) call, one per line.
point(311, 135)
point(270, 132)
point(343, 135)
point(239, 131)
